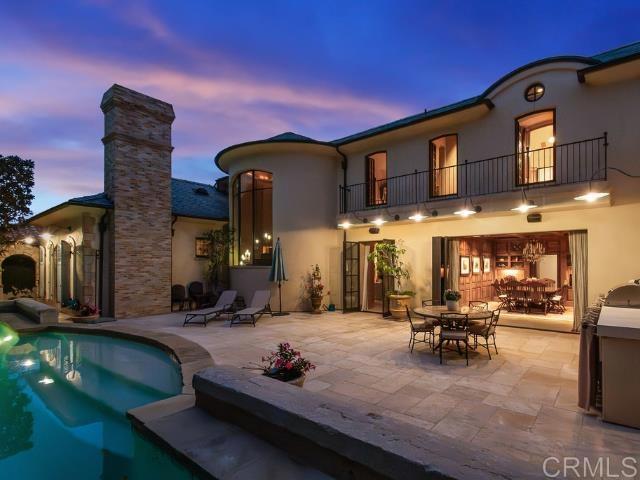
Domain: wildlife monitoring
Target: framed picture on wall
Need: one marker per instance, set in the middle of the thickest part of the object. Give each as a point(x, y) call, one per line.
point(476, 264)
point(202, 247)
point(486, 264)
point(465, 265)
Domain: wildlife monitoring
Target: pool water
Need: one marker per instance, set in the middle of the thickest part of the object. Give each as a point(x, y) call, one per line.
point(63, 400)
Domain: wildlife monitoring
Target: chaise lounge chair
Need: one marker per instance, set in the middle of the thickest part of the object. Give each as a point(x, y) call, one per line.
point(223, 305)
point(259, 305)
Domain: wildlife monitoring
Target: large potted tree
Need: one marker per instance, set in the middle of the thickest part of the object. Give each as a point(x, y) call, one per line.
point(387, 257)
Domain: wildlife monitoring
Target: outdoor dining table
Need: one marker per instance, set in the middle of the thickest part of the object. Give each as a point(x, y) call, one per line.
point(433, 312)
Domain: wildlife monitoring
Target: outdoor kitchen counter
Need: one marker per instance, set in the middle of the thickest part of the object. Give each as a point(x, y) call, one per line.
point(619, 332)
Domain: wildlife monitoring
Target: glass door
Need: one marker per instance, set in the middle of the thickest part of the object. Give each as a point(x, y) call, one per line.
point(351, 277)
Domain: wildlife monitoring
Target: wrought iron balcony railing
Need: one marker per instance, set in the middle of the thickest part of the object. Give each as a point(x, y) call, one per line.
point(565, 164)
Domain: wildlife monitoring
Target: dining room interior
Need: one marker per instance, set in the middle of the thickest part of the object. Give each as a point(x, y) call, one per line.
point(528, 276)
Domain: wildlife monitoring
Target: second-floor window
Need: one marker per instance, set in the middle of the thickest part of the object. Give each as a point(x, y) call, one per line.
point(376, 175)
point(535, 139)
point(443, 164)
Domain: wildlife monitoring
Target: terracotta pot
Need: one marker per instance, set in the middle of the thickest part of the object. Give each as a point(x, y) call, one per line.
point(453, 305)
point(398, 305)
point(316, 303)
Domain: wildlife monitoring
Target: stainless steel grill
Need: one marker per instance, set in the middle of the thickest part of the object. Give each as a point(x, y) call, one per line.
point(624, 296)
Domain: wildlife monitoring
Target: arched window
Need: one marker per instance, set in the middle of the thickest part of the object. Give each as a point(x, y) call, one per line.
point(252, 217)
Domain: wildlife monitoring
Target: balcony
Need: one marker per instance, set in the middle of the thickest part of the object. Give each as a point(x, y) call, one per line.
point(564, 164)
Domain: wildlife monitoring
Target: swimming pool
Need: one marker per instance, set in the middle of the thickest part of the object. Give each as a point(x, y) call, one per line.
point(63, 400)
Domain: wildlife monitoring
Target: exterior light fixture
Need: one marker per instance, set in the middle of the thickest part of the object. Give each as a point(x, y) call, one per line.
point(468, 209)
point(591, 196)
point(525, 205)
point(29, 240)
point(379, 222)
point(8, 338)
point(417, 217)
point(346, 224)
point(28, 363)
point(45, 236)
point(551, 140)
point(46, 381)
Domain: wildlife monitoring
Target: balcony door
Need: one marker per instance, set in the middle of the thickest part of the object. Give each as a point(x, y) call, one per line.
point(376, 174)
point(535, 153)
point(443, 164)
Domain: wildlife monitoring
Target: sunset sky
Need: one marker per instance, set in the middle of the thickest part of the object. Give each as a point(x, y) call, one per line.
point(237, 71)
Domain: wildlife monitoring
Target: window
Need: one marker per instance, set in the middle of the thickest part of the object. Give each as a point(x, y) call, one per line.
point(252, 217)
point(202, 247)
point(535, 139)
point(443, 154)
point(534, 92)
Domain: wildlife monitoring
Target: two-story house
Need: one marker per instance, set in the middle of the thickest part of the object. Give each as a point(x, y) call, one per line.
point(530, 179)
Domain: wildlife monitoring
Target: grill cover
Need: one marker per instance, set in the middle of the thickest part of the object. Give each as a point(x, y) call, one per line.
point(624, 296)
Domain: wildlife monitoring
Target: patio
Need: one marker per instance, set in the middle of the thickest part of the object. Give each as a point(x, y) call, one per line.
point(521, 404)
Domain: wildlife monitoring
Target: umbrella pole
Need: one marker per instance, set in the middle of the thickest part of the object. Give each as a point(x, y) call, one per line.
point(280, 313)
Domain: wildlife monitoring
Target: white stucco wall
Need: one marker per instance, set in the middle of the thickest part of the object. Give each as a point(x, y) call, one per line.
point(304, 209)
point(185, 266)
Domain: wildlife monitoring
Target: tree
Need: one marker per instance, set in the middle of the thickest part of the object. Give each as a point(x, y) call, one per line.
point(16, 184)
point(220, 242)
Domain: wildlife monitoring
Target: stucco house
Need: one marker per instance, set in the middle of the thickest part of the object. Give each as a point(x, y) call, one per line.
point(123, 249)
point(530, 178)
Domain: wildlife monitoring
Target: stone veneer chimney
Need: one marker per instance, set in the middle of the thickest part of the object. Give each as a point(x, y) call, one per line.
point(137, 178)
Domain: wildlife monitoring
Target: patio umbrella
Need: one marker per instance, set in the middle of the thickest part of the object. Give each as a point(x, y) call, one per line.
point(277, 273)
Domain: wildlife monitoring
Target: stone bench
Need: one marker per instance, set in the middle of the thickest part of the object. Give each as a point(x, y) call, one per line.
point(31, 309)
point(340, 440)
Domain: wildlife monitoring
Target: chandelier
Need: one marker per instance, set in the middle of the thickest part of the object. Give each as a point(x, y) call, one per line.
point(533, 250)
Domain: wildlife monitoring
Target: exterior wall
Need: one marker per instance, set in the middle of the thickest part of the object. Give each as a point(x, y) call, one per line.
point(304, 209)
point(185, 266)
point(582, 112)
point(80, 234)
point(612, 238)
point(19, 248)
point(137, 149)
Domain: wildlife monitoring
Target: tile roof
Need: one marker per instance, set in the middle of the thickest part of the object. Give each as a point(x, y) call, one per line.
point(189, 199)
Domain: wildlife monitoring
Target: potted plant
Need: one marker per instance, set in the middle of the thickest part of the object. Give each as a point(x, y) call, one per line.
point(452, 298)
point(80, 313)
point(315, 288)
point(287, 365)
point(388, 260)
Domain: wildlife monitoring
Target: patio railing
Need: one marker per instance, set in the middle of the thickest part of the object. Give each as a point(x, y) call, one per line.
point(563, 164)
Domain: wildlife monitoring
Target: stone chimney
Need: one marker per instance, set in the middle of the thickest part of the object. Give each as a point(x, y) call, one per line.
point(137, 178)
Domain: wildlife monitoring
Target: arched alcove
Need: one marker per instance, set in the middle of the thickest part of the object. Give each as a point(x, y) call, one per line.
point(19, 273)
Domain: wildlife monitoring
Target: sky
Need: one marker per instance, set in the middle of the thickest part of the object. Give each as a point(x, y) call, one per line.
point(245, 70)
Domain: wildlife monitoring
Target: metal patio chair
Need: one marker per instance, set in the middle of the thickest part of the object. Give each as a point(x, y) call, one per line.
point(454, 328)
point(426, 329)
point(486, 330)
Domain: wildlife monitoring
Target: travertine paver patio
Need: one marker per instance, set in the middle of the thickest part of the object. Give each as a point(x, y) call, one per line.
point(522, 403)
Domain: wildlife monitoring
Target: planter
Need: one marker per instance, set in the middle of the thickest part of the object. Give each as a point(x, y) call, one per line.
point(85, 319)
point(453, 305)
point(298, 381)
point(316, 303)
point(398, 305)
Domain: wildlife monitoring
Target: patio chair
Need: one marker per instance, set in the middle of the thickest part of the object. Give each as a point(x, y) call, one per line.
point(478, 306)
point(426, 329)
point(454, 328)
point(431, 302)
point(179, 296)
point(259, 305)
point(197, 295)
point(223, 305)
point(486, 330)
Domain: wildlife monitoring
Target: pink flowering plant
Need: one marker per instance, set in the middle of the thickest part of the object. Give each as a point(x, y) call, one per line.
point(286, 363)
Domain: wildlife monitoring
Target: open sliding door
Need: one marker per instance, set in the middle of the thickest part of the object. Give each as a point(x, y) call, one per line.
point(351, 277)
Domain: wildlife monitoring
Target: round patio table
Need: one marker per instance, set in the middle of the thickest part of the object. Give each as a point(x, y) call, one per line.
point(433, 312)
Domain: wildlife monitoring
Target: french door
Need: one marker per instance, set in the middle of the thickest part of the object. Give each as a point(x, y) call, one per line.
point(351, 277)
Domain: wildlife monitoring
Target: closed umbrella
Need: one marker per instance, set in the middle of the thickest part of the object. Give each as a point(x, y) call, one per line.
point(277, 273)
